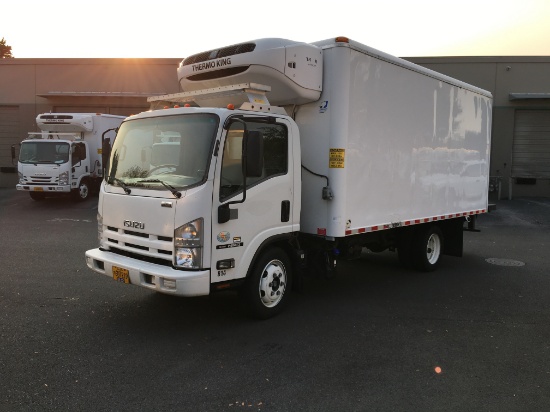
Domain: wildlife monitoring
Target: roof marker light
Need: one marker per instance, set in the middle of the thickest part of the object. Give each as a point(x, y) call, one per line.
point(230, 106)
point(341, 39)
point(176, 106)
point(186, 105)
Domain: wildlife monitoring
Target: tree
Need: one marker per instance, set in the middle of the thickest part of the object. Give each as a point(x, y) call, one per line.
point(5, 50)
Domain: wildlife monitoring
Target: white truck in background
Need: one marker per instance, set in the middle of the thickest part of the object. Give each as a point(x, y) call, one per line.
point(335, 147)
point(66, 155)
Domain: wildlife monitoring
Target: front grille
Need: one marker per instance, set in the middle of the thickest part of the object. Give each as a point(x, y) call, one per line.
point(56, 116)
point(138, 256)
point(216, 54)
point(141, 245)
point(46, 180)
point(138, 234)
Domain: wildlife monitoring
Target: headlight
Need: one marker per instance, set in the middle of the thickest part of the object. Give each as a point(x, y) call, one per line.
point(21, 180)
point(188, 242)
point(64, 178)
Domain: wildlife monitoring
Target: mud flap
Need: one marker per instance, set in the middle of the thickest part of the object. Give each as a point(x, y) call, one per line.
point(453, 234)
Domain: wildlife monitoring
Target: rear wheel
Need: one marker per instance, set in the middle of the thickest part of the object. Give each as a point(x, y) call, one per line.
point(427, 248)
point(268, 285)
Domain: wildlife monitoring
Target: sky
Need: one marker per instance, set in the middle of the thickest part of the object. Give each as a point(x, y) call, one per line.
point(177, 29)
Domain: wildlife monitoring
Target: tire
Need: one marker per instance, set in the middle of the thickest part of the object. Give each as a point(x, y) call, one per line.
point(268, 285)
point(427, 248)
point(83, 191)
point(36, 196)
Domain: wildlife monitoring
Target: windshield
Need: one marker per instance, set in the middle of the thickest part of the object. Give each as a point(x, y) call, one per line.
point(44, 152)
point(174, 150)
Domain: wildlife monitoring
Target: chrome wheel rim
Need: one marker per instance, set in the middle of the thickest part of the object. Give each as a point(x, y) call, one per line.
point(433, 248)
point(272, 283)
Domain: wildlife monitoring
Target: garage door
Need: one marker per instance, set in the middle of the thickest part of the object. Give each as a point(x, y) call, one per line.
point(531, 149)
point(9, 130)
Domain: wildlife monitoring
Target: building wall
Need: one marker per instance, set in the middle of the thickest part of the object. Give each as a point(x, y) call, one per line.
point(29, 87)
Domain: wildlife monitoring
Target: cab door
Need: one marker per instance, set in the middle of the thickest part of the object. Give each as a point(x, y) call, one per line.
point(267, 210)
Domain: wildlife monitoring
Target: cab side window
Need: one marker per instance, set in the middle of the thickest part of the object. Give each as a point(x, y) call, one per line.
point(275, 137)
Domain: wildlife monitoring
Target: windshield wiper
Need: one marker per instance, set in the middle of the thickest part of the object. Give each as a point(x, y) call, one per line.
point(171, 188)
point(121, 184)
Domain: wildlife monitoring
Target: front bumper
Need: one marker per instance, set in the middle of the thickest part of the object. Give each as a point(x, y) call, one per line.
point(44, 188)
point(151, 276)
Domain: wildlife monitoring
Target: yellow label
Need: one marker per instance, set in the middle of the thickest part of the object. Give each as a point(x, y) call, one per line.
point(99, 151)
point(336, 158)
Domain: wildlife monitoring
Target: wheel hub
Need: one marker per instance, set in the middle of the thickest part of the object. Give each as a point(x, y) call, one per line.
point(433, 248)
point(272, 284)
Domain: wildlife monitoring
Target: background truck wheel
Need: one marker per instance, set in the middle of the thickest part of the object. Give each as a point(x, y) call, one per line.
point(36, 196)
point(267, 287)
point(83, 191)
point(427, 248)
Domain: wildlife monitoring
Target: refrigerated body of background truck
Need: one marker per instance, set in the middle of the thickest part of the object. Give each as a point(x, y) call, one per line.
point(285, 157)
point(65, 157)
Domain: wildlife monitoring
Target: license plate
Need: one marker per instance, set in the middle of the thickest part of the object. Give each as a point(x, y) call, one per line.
point(38, 189)
point(121, 275)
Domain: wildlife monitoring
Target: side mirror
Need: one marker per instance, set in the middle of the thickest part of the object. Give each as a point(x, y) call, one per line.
point(105, 155)
point(254, 154)
point(252, 166)
point(12, 154)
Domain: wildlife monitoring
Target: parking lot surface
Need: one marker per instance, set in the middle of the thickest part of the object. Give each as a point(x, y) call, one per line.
point(474, 335)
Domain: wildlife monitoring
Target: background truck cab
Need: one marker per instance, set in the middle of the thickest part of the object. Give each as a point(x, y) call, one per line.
point(66, 156)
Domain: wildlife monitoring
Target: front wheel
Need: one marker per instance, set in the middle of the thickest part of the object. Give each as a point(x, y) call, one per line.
point(83, 191)
point(267, 287)
point(427, 248)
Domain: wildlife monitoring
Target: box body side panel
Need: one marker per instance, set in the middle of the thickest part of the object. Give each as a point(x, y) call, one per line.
point(414, 147)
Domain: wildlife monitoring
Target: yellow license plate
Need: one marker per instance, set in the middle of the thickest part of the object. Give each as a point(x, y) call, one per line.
point(38, 189)
point(121, 275)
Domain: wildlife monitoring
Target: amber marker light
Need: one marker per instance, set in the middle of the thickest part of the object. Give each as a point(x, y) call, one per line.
point(186, 105)
point(176, 106)
point(230, 106)
point(342, 39)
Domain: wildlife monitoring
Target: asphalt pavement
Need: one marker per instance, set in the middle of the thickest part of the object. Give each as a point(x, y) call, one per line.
point(474, 335)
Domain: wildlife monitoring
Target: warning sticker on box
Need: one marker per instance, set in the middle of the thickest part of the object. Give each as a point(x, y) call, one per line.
point(336, 158)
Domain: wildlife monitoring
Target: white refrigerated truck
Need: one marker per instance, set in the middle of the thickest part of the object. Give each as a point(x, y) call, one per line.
point(66, 155)
point(335, 147)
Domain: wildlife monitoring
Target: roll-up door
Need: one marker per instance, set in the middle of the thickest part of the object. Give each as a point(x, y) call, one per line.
point(531, 149)
point(9, 133)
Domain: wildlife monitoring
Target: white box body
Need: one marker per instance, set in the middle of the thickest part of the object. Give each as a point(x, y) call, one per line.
point(399, 143)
